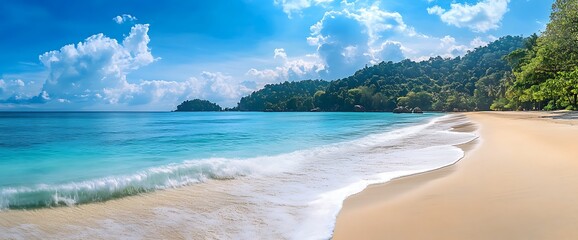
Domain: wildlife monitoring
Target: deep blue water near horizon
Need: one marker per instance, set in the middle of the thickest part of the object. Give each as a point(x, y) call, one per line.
point(62, 158)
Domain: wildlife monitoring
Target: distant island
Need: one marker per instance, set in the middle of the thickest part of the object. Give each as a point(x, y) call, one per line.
point(198, 105)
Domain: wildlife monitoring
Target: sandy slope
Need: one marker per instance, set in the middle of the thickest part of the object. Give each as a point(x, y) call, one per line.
point(518, 181)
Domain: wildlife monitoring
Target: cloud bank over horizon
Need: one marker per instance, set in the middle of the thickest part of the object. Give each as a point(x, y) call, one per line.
point(329, 40)
point(94, 73)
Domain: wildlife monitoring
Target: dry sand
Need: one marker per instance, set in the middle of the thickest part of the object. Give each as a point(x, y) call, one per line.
point(518, 181)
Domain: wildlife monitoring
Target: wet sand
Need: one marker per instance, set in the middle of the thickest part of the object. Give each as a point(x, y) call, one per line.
point(518, 181)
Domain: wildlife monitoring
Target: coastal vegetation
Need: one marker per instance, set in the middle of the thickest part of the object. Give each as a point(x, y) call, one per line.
point(287, 96)
point(539, 72)
point(441, 84)
point(198, 105)
point(546, 68)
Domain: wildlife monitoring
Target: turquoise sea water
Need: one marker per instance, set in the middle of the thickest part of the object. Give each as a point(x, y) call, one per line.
point(292, 167)
point(42, 154)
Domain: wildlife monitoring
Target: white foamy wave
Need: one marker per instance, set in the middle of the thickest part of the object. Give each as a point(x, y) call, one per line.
point(188, 172)
point(170, 176)
point(288, 196)
point(309, 202)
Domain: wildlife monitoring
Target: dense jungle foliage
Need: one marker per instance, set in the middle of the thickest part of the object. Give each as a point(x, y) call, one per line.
point(462, 83)
point(539, 72)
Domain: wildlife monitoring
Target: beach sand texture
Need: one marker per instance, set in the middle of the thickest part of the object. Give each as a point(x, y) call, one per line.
point(518, 181)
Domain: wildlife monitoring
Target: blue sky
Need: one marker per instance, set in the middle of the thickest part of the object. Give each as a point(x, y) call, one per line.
point(151, 55)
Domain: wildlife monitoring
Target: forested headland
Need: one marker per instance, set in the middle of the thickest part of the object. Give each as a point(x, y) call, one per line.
point(463, 83)
point(539, 72)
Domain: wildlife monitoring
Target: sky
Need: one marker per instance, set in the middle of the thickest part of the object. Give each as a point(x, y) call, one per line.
point(137, 55)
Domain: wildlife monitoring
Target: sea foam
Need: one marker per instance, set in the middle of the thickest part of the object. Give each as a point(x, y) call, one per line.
point(295, 195)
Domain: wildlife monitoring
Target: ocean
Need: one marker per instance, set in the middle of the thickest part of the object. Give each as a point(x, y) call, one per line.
point(276, 175)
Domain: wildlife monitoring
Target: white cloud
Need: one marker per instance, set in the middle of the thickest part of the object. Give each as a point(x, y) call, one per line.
point(221, 88)
point(93, 73)
point(478, 42)
point(451, 47)
point(446, 47)
point(124, 18)
point(296, 6)
point(388, 50)
point(481, 17)
point(12, 89)
point(307, 67)
point(96, 69)
point(160, 92)
point(437, 10)
point(347, 40)
point(378, 22)
point(492, 38)
point(280, 54)
point(357, 35)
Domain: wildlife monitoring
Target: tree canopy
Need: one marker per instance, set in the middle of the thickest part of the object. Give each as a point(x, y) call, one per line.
point(444, 84)
point(546, 69)
point(511, 73)
point(198, 105)
point(286, 96)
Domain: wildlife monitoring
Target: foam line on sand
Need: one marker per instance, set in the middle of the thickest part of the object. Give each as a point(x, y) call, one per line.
point(518, 181)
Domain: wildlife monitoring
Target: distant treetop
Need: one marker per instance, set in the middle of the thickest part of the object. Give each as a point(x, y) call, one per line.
point(198, 105)
point(470, 82)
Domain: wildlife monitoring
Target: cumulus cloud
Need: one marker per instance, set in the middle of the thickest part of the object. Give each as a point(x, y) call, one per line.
point(478, 42)
point(307, 67)
point(451, 47)
point(447, 47)
point(18, 91)
point(347, 40)
point(358, 34)
point(12, 89)
point(124, 18)
point(159, 92)
point(222, 88)
point(296, 6)
point(480, 17)
point(214, 86)
point(280, 54)
point(389, 50)
point(437, 10)
point(94, 73)
point(96, 69)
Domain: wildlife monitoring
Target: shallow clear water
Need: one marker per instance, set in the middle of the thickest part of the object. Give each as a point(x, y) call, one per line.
point(44, 150)
point(284, 175)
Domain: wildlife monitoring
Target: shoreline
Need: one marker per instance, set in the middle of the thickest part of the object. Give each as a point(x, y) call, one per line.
point(461, 201)
point(229, 208)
